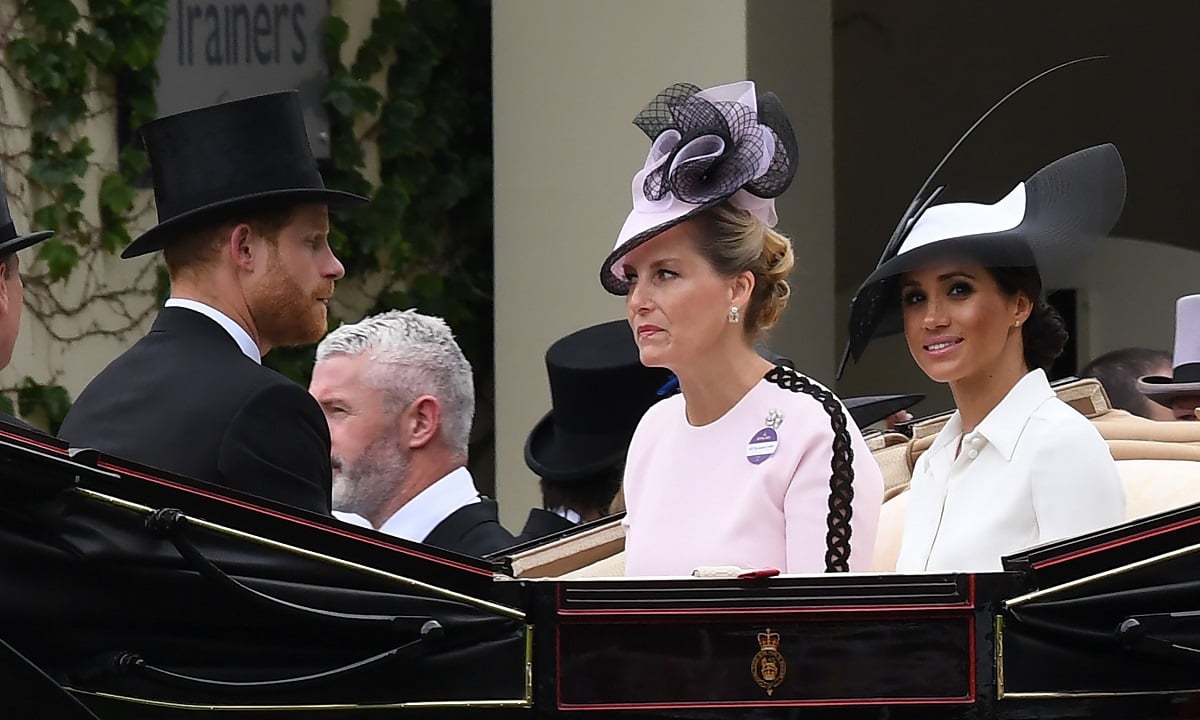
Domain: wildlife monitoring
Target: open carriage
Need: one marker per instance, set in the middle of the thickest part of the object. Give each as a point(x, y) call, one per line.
point(140, 595)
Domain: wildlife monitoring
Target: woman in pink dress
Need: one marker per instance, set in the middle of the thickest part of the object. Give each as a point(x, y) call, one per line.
point(752, 465)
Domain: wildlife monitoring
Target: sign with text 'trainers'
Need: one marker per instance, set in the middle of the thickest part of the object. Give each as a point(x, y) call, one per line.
point(219, 50)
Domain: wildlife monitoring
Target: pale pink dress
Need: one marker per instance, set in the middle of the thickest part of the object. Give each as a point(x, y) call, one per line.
point(695, 499)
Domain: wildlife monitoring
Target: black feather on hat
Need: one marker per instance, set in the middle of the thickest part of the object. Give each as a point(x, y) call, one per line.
point(1044, 222)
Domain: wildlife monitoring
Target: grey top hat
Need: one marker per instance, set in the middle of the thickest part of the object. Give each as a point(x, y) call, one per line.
point(12, 241)
point(1185, 375)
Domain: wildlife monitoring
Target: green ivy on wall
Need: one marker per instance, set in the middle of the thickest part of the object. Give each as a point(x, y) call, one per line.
point(56, 60)
point(428, 228)
point(57, 55)
point(426, 235)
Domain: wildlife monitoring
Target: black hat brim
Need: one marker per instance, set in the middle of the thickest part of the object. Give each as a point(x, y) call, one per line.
point(153, 239)
point(1164, 390)
point(560, 456)
point(21, 242)
point(615, 285)
point(870, 409)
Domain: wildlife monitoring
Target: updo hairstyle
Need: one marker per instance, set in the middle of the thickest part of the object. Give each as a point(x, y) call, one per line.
point(734, 241)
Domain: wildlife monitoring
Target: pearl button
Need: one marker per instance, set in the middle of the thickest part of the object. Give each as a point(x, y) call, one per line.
point(973, 454)
point(976, 441)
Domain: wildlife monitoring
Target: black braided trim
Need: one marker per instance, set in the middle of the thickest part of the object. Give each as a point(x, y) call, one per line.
point(841, 479)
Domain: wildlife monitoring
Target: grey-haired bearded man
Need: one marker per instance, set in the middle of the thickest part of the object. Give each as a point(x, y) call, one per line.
point(399, 398)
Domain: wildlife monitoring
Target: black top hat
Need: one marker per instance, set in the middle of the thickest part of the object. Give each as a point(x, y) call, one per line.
point(599, 390)
point(1048, 222)
point(12, 241)
point(219, 159)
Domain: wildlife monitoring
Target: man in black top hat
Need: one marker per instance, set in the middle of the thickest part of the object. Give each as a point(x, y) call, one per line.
point(12, 290)
point(599, 390)
point(244, 230)
point(399, 397)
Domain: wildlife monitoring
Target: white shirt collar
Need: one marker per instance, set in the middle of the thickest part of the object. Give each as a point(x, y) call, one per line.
point(419, 516)
point(237, 332)
point(352, 519)
point(568, 514)
point(1004, 424)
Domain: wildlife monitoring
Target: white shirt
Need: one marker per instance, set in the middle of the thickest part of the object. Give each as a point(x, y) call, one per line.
point(1033, 471)
point(419, 516)
point(352, 519)
point(237, 332)
point(568, 514)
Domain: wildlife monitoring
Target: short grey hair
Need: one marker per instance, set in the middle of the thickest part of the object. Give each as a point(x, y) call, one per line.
point(410, 355)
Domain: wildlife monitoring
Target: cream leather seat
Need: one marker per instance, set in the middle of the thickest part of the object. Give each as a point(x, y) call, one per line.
point(1159, 463)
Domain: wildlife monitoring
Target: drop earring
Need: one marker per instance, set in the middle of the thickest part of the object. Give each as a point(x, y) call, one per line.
point(735, 315)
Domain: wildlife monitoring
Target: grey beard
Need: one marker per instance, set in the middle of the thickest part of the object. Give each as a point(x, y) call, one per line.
point(365, 485)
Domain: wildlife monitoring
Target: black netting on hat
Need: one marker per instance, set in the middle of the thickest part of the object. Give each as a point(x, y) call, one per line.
point(787, 151)
point(659, 115)
point(720, 147)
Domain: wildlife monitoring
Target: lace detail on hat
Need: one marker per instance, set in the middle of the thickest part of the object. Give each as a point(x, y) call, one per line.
point(707, 150)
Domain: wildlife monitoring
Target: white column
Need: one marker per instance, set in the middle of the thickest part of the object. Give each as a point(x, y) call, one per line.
point(568, 78)
point(790, 49)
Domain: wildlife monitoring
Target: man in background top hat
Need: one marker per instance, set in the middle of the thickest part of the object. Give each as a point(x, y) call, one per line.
point(12, 289)
point(244, 231)
point(399, 397)
point(1118, 372)
point(599, 390)
point(1181, 391)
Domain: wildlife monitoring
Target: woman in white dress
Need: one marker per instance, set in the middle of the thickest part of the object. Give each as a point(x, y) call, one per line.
point(1014, 466)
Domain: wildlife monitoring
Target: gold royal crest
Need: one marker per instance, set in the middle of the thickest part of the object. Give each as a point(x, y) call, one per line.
point(768, 666)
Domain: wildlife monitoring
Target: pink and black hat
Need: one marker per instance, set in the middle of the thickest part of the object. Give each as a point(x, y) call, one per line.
point(726, 143)
point(1185, 374)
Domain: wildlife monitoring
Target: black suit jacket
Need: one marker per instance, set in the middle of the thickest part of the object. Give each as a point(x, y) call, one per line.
point(473, 529)
point(541, 523)
point(185, 399)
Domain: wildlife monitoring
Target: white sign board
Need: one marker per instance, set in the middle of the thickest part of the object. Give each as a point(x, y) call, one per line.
point(219, 50)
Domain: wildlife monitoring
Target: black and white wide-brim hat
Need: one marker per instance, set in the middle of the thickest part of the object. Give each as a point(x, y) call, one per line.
point(726, 143)
point(1049, 222)
point(1185, 373)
